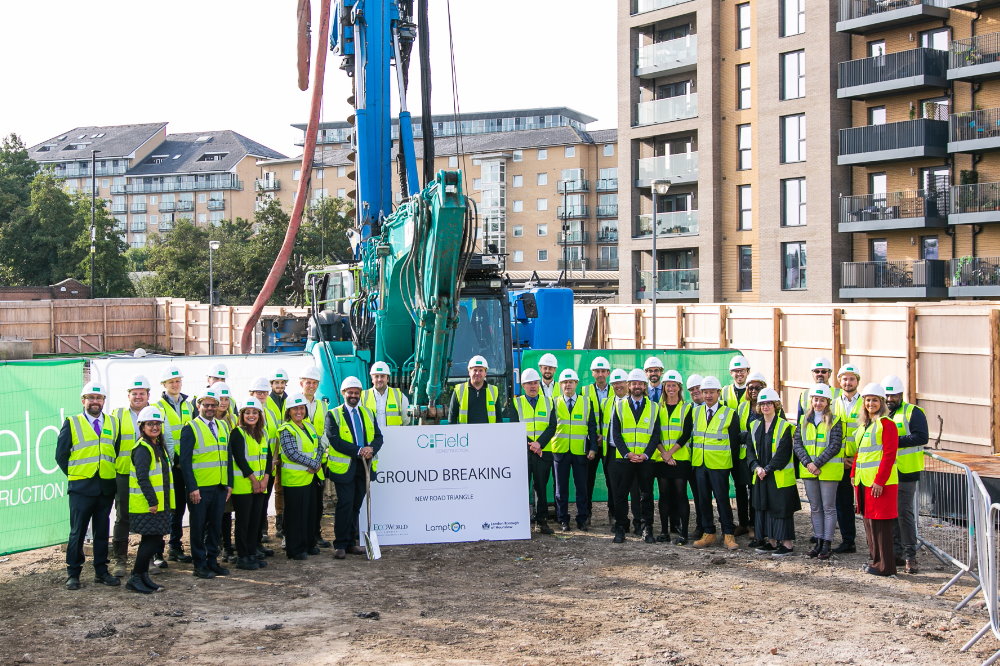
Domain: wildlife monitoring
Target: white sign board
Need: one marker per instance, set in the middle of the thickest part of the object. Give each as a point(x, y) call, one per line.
point(451, 483)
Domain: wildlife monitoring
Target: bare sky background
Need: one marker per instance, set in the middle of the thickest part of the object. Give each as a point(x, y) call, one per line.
point(230, 64)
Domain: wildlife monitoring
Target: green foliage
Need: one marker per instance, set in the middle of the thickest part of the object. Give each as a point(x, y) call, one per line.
point(323, 236)
point(180, 259)
point(111, 265)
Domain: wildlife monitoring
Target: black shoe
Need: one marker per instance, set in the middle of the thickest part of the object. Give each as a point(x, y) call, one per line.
point(845, 548)
point(261, 563)
point(814, 551)
point(754, 543)
point(229, 555)
point(73, 583)
point(544, 528)
point(619, 536)
point(781, 551)
point(217, 569)
point(264, 552)
point(204, 573)
point(765, 547)
point(824, 549)
point(298, 556)
point(313, 551)
point(813, 540)
point(323, 543)
point(583, 527)
point(637, 529)
point(178, 555)
point(564, 527)
point(135, 583)
point(680, 541)
point(106, 579)
point(159, 562)
point(150, 583)
point(648, 537)
point(663, 537)
point(247, 563)
point(697, 535)
point(265, 538)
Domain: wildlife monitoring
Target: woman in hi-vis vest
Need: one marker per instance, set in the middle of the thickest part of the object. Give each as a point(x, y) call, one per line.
point(150, 498)
point(772, 476)
point(876, 482)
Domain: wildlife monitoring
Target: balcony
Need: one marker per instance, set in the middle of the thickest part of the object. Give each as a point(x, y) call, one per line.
point(974, 204)
point(861, 16)
point(668, 225)
point(607, 210)
point(973, 277)
point(667, 110)
point(168, 206)
point(900, 280)
point(607, 185)
point(914, 209)
point(267, 184)
point(137, 208)
point(972, 4)
point(672, 56)
point(572, 264)
point(671, 285)
point(974, 58)
point(570, 186)
point(118, 189)
point(607, 264)
point(166, 225)
point(916, 68)
point(678, 169)
point(223, 183)
point(575, 237)
point(572, 212)
point(137, 227)
point(216, 204)
point(974, 131)
point(642, 6)
point(119, 208)
point(84, 172)
point(185, 206)
point(904, 140)
point(607, 235)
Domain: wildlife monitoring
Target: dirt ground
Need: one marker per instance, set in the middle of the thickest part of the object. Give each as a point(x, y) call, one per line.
point(573, 598)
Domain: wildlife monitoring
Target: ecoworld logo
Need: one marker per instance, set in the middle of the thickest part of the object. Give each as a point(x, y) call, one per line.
point(390, 527)
point(440, 440)
point(454, 527)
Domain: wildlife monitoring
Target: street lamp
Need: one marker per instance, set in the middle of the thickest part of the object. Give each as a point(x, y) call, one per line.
point(213, 245)
point(660, 188)
point(93, 220)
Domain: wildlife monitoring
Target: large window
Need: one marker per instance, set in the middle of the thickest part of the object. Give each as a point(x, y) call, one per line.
point(743, 86)
point(745, 257)
point(793, 75)
point(793, 17)
point(743, 140)
point(793, 138)
point(793, 266)
point(745, 196)
point(793, 202)
point(743, 25)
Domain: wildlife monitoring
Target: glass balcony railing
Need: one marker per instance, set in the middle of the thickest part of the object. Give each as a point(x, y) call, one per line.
point(573, 264)
point(607, 264)
point(607, 210)
point(267, 184)
point(569, 212)
point(680, 168)
point(607, 235)
point(573, 237)
point(607, 185)
point(667, 110)
point(671, 54)
point(168, 206)
point(680, 223)
point(185, 206)
point(569, 186)
point(137, 208)
point(221, 183)
point(642, 6)
point(675, 282)
point(216, 204)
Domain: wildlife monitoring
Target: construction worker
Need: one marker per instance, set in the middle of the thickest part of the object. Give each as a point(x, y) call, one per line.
point(476, 401)
point(600, 396)
point(746, 414)
point(390, 405)
point(260, 390)
point(818, 445)
point(653, 368)
point(672, 459)
point(547, 366)
point(252, 462)
point(217, 373)
point(354, 438)
point(635, 433)
point(821, 369)
point(619, 385)
point(208, 477)
point(535, 411)
point(715, 445)
point(574, 445)
point(225, 414)
point(911, 426)
point(176, 410)
point(127, 418)
point(85, 452)
point(317, 409)
point(769, 456)
point(849, 407)
point(694, 391)
point(227, 409)
point(735, 393)
point(302, 461)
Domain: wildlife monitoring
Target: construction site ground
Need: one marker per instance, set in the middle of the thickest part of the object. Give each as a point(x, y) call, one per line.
point(569, 598)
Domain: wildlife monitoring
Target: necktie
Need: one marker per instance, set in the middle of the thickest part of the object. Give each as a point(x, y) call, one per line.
point(711, 412)
point(211, 426)
point(359, 433)
point(570, 403)
point(97, 427)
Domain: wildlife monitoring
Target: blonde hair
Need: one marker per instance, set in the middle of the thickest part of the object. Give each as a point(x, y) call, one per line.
point(776, 403)
point(865, 419)
point(827, 412)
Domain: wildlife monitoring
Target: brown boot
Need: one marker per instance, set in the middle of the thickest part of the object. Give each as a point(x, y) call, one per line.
point(730, 542)
point(911, 567)
point(705, 541)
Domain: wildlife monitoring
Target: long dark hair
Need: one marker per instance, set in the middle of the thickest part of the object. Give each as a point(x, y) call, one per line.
point(255, 431)
point(158, 442)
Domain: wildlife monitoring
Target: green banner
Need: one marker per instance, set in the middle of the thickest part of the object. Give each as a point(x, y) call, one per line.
point(35, 399)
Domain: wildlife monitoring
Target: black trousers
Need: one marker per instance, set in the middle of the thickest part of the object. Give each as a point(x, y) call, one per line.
point(592, 466)
point(180, 500)
point(539, 471)
point(625, 473)
point(300, 516)
point(564, 463)
point(150, 545)
point(845, 510)
point(741, 484)
point(675, 510)
point(120, 533)
point(714, 482)
point(699, 519)
point(249, 510)
point(317, 526)
point(206, 525)
point(84, 511)
point(608, 462)
point(350, 494)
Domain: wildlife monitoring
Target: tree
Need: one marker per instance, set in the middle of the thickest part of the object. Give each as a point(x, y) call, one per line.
point(323, 236)
point(180, 259)
point(16, 173)
point(110, 260)
point(48, 254)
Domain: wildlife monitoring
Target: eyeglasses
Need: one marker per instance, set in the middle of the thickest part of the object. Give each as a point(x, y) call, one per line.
point(821, 372)
point(154, 425)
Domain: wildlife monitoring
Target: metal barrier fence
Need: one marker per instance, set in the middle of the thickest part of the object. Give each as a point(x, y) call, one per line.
point(985, 521)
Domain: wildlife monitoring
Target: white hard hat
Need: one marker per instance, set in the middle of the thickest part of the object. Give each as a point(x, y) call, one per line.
point(892, 384)
point(849, 369)
point(549, 360)
point(768, 395)
point(568, 375)
point(637, 375)
point(139, 353)
point(873, 389)
point(821, 363)
point(756, 377)
point(711, 382)
point(250, 403)
point(150, 413)
point(673, 376)
point(214, 392)
point(618, 375)
point(600, 363)
point(279, 376)
point(260, 384)
point(737, 362)
point(379, 368)
point(652, 362)
point(351, 382)
point(819, 391)
point(93, 388)
point(222, 389)
point(171, 372)
point(478, 361)
point(218, 370)
point(530, 375)
point(312, 372)
point(694, 381)
point(297, 400)
point(139, 382)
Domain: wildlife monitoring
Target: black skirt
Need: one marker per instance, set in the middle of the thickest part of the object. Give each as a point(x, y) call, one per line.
point(150, 523)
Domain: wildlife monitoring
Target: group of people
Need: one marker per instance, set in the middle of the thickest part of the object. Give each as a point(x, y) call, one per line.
point(220, 457)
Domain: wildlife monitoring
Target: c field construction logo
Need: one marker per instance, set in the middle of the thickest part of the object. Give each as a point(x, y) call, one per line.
point(441, 440)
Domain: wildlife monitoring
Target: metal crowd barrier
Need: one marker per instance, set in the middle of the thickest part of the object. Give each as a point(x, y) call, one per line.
point(987, 530)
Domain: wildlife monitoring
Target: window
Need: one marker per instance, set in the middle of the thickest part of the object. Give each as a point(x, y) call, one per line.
point(743, 25)
point(793, 266)
point(341, 172)
point(517, 155)
point(607, 257)
point(793, 202)
point(518, 206)
point(477, 183)
point(928, 247)
point(212, 157)
point(877, 183)
point(202, 198)
point(876, 115)
point(202, 218)
point(452, 161)
point(745, 159)
point(542, 229)
point(541, 204)
point(745, 259)
point(215, 217)
point(543, 154)
point(793, 138)
point(518, 181)
point(295, 174)
point(793, 75)
point(793, 17)
point(876, 48)
point(517, 230)
point(745, 196)
point(542, 179)
point(608, 150)
point(878, 249)
point(743, 86)
point(518, 256)
point(341, 192)
point(935, 39)
point(543, 255)
point(569, 151)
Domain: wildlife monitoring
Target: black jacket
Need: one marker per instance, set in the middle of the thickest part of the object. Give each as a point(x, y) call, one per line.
point(95, 485)
point(342, 446)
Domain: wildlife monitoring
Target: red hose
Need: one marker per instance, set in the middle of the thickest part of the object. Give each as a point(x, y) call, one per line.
point(308, 151)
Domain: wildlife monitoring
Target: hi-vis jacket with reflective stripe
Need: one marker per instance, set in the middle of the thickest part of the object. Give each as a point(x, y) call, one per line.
point(671, 429)
point(784, 477)
point(462, 395)
point(127, 436)
point(393, 404)
point(92, 455)
point(870, 453)
point(728, 397)
point(909, 459)
point(576, 431)
point(710, 445)
point(157, 474)
point(293, 473)
point(637, 434)
point(815, 439)
point(175, 421)
point(210, 455)
point(256, 456)
point(849, 418)
point(536, 419)
point(339, 463)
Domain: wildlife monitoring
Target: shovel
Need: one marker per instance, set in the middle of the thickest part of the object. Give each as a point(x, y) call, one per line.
point(371, 538)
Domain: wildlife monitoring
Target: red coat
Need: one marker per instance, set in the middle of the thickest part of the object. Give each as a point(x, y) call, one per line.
point(886, 506)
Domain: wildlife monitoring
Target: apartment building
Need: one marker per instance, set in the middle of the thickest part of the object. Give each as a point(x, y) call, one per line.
point(725, 115)
point(924, 83)
point(152, 179)
point(545, 187)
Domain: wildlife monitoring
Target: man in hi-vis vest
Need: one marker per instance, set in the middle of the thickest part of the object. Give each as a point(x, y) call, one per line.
point(390, 405)
point(475, 401)
point(911, 426)
point(535, 411)
point(138, 399)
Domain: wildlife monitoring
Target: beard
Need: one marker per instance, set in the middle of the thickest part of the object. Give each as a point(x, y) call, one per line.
point(94, 410)
point(352, 401)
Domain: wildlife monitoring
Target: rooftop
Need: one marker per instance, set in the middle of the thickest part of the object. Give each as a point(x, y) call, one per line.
point(201, 152)
point(113, 141)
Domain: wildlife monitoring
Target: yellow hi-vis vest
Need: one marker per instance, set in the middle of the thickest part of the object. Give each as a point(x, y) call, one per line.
point(870, 456)
point(728, 397)
point(492, 394)
point(710, 442)
point(210, 458)
point(785, 476)
point(849, 422)
point(637, 434)
point(804, 403)
point(275, 412)
point(393, 405)
point(136, 500)
point(340, 464)
point(814, 440)
point(571, 427)
point(909, 459)
point(174, 422)
point(743, 415)
point(602, 411)
point(319, 417)
point(293, 474)
point(671, 428)
point(123, 462)
point(536, 418)
point(91, 455)
point(256, 459)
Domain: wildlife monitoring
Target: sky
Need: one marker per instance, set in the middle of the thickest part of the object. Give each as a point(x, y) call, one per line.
point(230, 64)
